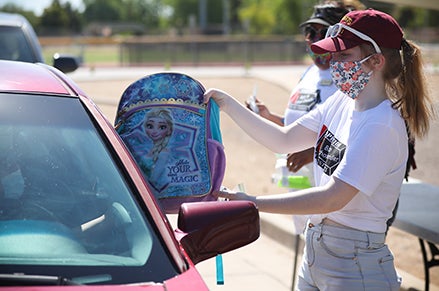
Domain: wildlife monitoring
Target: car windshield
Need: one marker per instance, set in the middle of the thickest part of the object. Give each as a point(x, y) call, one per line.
point(66, 208)
point(14, 45)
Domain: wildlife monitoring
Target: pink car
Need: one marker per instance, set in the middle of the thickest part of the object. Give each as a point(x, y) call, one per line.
point(74, 207)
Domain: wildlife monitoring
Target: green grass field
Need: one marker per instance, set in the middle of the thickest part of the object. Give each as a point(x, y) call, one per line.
point(91, 55)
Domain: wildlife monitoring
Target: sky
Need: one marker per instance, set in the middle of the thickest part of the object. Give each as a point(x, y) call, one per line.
point(38, 6)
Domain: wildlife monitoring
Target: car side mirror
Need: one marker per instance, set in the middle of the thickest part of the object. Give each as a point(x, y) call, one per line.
point(216, 227)
point(65, 63)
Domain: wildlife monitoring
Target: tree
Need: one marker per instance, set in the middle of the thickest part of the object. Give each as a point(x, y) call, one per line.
point(125, 13)
point(275, 16)
point(258, 16)
point(146, 12)
point(54, 19)
point(184, 10)
point(60, 19)
point(290, 13)
point(103, 10)
point(75, 22)
point(181, 11)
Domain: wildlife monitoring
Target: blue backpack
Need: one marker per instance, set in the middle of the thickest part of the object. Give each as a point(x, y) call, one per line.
point(174, 138)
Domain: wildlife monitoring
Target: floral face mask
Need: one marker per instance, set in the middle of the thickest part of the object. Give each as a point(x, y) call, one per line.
point(350, 77)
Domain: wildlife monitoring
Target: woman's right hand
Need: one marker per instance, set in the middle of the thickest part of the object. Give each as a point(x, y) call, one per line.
point(219, 96)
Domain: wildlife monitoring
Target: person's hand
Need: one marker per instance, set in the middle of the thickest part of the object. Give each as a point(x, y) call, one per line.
point(296, 161)
point(231, 195)
point(219, 96)
point(264, 112)
point(263, 109)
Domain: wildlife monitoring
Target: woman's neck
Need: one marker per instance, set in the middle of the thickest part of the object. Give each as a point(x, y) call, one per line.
point(372, 95)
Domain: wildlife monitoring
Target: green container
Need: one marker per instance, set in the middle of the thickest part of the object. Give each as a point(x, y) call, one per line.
point(294, 182)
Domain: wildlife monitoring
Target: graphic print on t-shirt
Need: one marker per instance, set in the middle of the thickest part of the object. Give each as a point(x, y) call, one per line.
point(329, 151)
point(304, 100)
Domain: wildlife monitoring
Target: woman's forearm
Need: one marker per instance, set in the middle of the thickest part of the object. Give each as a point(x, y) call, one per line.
point(276, 138)
point(315, 200)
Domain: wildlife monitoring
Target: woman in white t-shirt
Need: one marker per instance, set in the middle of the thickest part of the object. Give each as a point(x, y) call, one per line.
point(360, 141)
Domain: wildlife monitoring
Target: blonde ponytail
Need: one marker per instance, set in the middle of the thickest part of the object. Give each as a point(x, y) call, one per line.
point(407, 88)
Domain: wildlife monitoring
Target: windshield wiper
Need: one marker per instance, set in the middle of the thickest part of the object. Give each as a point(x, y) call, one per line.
point(19, 279)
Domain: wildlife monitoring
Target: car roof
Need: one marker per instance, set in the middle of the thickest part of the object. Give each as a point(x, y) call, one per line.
point(35, 78)
point(19, 21)
point(12, 19)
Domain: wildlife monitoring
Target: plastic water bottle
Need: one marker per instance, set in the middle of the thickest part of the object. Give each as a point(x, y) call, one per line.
point(252, 100)
point(282, 177)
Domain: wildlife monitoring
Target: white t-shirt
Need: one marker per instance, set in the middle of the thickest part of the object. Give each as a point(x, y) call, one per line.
point(368, 150)
point(312, 80)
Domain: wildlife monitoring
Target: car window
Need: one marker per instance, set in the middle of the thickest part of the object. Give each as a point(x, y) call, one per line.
point(65, 205)
point(15, 46)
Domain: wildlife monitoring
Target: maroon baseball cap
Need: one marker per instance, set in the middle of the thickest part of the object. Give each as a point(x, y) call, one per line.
point(379, 26)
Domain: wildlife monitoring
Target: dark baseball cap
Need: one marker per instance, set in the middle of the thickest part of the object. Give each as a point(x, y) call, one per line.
point(326, 15)
point(358, 27)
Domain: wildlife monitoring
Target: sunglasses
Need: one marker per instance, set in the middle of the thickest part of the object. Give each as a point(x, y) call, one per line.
point(314, 34)
point(335, 30)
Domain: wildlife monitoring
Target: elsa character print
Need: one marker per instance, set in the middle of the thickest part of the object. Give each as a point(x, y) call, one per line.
point(158, 127)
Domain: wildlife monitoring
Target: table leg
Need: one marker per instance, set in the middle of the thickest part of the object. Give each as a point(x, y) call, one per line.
point(434, 251)
point(296, 255)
